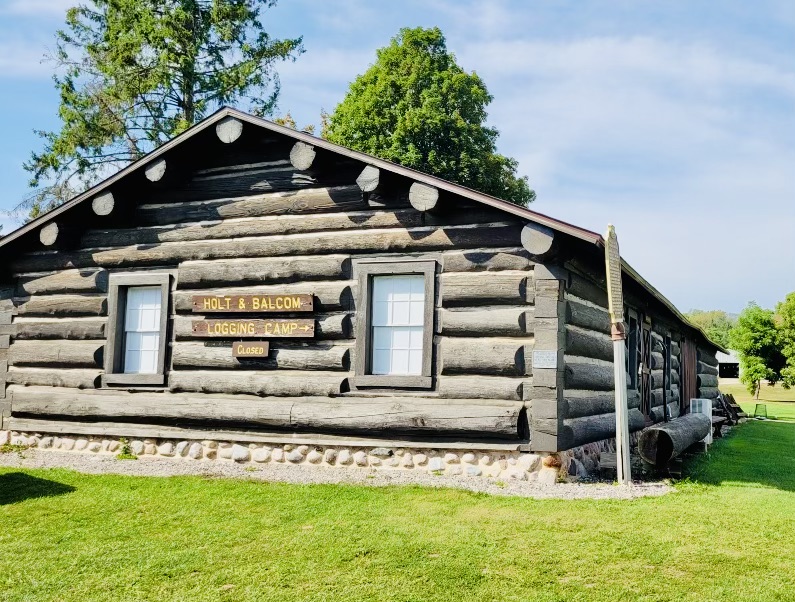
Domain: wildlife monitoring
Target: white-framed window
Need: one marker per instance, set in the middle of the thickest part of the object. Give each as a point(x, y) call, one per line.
point(398, 324)
point(142, 329)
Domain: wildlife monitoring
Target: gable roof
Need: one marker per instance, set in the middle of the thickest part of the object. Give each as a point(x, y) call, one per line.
point(224, 112)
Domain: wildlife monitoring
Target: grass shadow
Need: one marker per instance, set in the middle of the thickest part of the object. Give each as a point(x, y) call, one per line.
point(18, 486)
point(757, 452)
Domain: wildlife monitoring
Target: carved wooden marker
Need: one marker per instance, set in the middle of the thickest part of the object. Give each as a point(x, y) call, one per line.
point(250, 349)
point(251, 303)
point(283, 328)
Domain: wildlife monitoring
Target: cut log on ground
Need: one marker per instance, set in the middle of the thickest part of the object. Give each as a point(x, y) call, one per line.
point(660, 443)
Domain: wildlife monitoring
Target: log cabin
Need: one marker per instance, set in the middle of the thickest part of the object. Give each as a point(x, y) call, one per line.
point(253, 293)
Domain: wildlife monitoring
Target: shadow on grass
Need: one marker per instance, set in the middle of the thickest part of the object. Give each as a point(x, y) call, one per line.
point(757, 452)
point(18, 486)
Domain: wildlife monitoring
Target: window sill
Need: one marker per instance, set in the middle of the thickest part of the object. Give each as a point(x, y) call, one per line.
point(397, 381)
point(117, 380)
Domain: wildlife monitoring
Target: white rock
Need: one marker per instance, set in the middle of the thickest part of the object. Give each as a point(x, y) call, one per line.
point(455, 470)
point(314, 457)
point(4, 437)
point(517, 474)
point(166, 449)
point(360, 458)
point(374, 461)
point(303, 449)
point(137, 447)
point(113, 446)
point(394, 461)
point(408, 461)
point(105, 444)
point(210, 444)
point(210, 453)
point(45, 443)
point(503, 464)
point(451, 458)
point(344, 457)
point(529, 461)
point(81, 444)
point(474, 471)
point(94, 446)
point(381, 452)
point(512, 461)
point(240, 453)
point(468, 458)
point(420, 459)
point(277, 455)
point(263, 454)
point(330, 455)
point(195, 451)
point(289, 447)
point(182, 448)
point(486, 460)
point(435, 464)
point(225, 451)
point(548, 476)
point(56, 442)
point(295, 456)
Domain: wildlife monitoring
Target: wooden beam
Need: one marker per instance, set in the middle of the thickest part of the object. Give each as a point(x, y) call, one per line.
point(103, 203)
point(423, 197)
point(155, 170)
point(229, 129)
point(537, 239)
point(302, 155)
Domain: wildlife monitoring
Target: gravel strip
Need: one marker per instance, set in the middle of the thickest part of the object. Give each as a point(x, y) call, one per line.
point(301, 475)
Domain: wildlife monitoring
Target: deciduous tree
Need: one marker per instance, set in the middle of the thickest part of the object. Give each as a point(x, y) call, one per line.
point(715, 323)
point(134, 73)
point(756, 340)
point(416, 106)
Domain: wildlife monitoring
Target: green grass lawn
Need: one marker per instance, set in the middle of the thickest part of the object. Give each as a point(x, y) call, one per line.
point(726, 534)
point(780, 402)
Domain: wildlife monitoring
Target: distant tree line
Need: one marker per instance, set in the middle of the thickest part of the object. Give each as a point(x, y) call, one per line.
point(763, 338)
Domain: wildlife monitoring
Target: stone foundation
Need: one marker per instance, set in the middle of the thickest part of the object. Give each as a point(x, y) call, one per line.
point(581, 462)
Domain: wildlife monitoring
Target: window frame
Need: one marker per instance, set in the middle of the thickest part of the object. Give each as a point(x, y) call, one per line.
point(365, 271)
point(118, 284)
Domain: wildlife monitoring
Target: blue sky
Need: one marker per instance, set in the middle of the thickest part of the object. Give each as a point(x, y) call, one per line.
point(673, 120)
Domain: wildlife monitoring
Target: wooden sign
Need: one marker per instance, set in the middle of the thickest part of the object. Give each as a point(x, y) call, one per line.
point(251, 303)
point(254, 328)
point(615, 295)
point(250, 349)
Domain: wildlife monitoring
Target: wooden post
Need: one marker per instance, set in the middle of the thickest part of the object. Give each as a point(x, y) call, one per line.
point(615, 299)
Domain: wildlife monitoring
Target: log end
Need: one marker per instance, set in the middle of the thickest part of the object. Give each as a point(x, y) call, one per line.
point(229, 129)
point(155, 171)
point(302, 155)
point(538, 240)
point(368, 179)
point(49, 234)
point(423, 197)
point(103, 204)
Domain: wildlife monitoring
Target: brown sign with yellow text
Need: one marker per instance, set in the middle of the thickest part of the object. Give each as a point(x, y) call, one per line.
point(251, 303)
point(250, 349)
point(255, 328)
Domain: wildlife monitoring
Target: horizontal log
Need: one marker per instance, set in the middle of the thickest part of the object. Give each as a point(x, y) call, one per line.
point(327, 295)
point(593, 375)
point(506, 287)
point(302, 155)
point(155, 171)
point(537, 239)
point(280, 383)
point(72, 354)
point(49, 377)
point(587, 316)
point(368, 180)
point(658, 379)
point(308, 357)
point(487, 260)
point(588, 343)
point(708, 392)
point(707, 380)
point(275, 225)
point(707, 369)
point(48, 235)
point(480, 387)
point(66, 281)
point(660, 443)
point(103, 204)
point(487, 321)
point(675, 363)
point(70, 328)
point(423, 197)
point(507, 357)
point(675, 349)
point(309, 200)
point(583, 288)
point(424, 238)
point(707, 358)
point(250, 271)
point(372, 415)
point(62, 305)
point(588, 429)
point(577, 404)
point(229, 129)
point(411, 415)
point(330, 326)
point(657, 360)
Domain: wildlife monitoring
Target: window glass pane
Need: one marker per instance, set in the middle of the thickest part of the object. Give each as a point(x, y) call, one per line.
point(142, 330)
point(398, 315)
